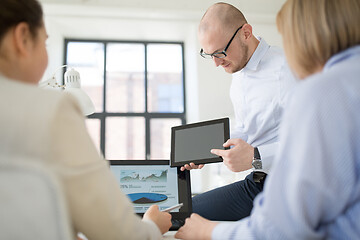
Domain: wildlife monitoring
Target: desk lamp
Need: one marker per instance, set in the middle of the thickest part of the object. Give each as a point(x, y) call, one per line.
point(72, 85)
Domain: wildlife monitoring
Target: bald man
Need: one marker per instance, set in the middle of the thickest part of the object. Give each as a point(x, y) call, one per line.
point(261, 81)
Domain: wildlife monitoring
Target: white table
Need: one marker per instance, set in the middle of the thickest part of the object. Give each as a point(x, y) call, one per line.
point(169, 235)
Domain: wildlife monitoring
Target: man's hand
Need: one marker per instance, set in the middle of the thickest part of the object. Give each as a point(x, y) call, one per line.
point(238, 158)
point(196, 228)
point(161, 219)
point(191, 166)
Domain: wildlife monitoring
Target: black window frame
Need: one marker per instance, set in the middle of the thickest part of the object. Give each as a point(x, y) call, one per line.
point(147, 115)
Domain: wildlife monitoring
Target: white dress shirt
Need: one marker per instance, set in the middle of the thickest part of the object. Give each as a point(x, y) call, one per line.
point(258, 93)
point(313, 191)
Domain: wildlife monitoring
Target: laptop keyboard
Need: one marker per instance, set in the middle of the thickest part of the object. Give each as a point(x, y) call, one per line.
point(176, 224)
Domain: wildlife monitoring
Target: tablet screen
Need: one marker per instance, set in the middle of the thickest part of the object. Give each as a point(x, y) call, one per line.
point(193, 142)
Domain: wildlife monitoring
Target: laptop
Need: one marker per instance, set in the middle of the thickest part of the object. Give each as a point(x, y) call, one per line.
point(148, 182)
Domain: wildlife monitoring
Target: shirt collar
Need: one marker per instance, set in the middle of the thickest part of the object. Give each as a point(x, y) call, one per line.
point(341, 56)
point(258, 54)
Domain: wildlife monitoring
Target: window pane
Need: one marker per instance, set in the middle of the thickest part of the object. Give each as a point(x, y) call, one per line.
point(125, 83)
point(165, 85)
point(125, 138)
point(88, 59)
point(93, 126)
point(160, 139)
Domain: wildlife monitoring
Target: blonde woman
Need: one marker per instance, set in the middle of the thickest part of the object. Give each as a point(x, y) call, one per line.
point(313, 191)
point(48, 127)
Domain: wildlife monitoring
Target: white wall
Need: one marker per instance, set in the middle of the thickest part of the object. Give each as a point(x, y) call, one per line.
point(207, 87)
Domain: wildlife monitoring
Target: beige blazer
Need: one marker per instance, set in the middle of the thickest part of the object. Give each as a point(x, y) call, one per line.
point(48, 126)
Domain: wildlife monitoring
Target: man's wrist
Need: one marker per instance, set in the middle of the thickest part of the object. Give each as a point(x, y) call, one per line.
point(256, 162)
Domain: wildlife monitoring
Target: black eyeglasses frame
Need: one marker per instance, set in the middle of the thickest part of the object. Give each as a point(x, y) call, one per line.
point(221, 54)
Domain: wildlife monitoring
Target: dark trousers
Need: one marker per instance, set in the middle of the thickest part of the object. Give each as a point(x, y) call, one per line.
point(231, 202)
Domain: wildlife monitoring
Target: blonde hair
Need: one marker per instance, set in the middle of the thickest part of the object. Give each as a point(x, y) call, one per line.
point(315, 30)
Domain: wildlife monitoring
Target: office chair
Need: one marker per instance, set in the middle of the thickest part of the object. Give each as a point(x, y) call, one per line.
point(31, 203)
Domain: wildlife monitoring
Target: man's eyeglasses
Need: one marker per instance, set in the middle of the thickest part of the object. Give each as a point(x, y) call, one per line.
point(221, 54)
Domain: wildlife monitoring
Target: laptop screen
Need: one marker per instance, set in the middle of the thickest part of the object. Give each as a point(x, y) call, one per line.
point(151, 182)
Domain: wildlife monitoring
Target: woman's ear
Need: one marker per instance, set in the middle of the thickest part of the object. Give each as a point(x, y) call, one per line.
point(22, 39)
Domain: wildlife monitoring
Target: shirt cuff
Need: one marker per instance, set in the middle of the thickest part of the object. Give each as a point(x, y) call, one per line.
point(154, 231)
point(267, 153)
point(233, 230)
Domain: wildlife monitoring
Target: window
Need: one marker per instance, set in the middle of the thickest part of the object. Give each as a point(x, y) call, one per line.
point(138, 92)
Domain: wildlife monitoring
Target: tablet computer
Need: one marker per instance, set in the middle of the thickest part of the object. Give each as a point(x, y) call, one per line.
point(193, 142)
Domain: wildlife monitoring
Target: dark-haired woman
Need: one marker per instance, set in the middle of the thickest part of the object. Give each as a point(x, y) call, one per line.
point(48, 127)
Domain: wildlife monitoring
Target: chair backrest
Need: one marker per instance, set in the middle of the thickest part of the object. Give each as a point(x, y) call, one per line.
point(32, 205)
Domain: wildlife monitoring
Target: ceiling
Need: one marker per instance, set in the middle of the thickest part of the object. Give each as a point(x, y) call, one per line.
point(261, 7)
